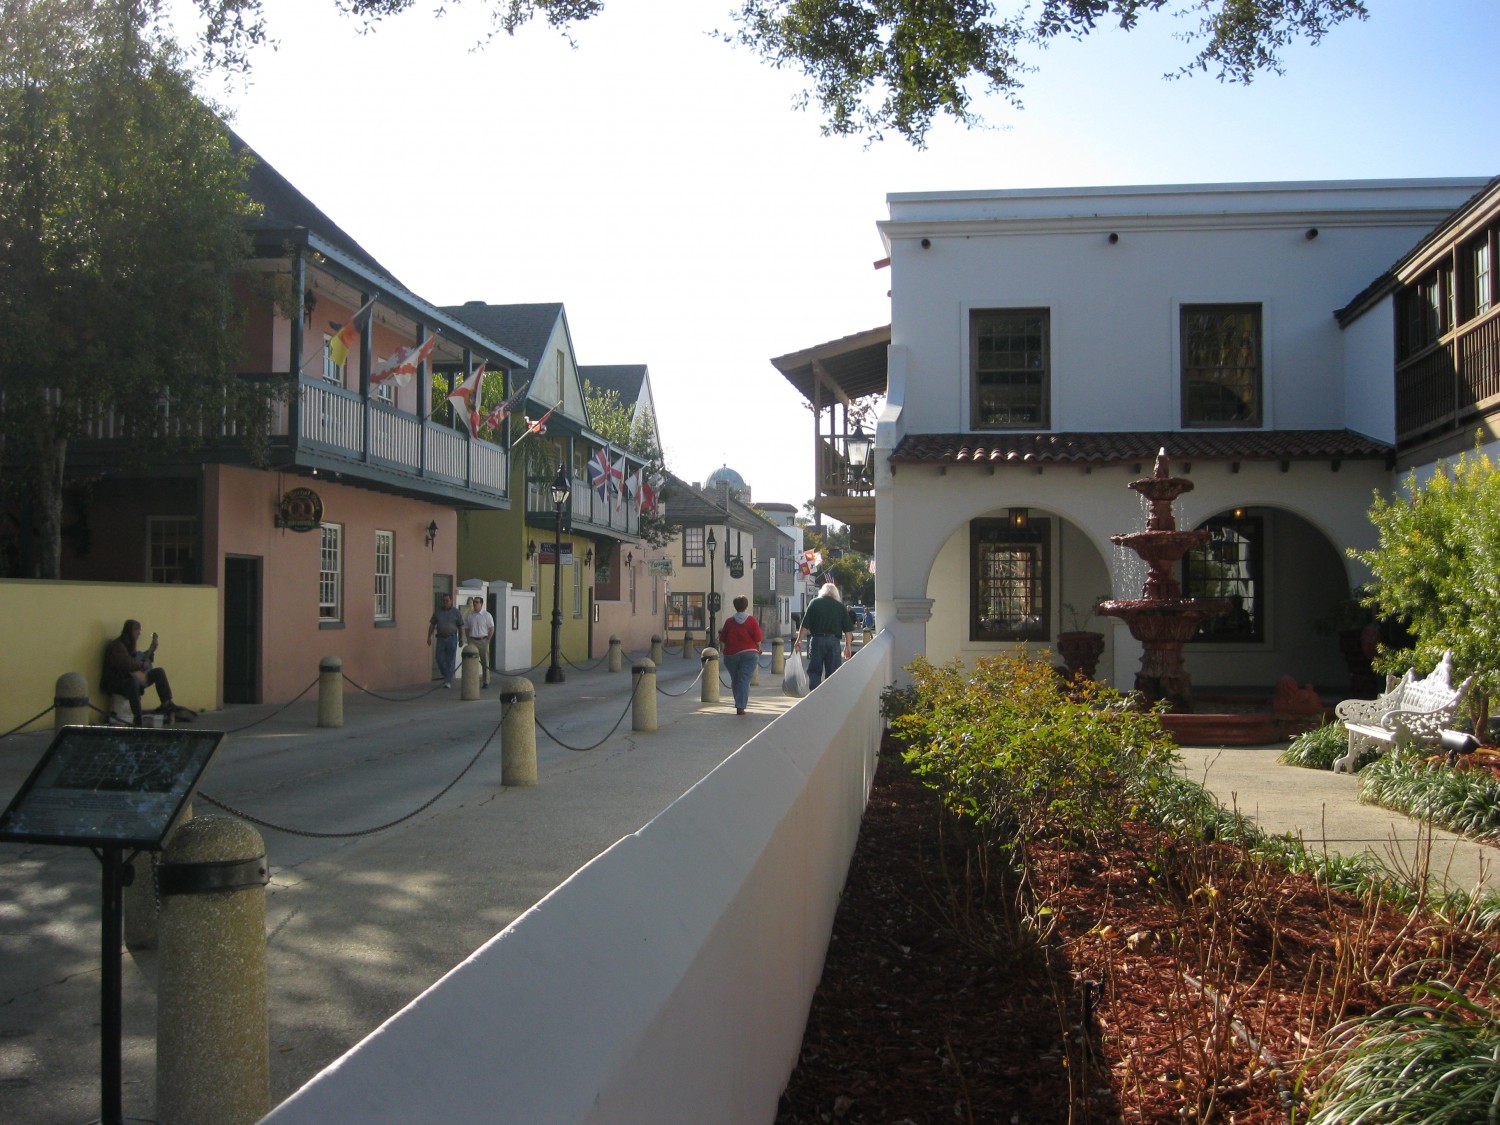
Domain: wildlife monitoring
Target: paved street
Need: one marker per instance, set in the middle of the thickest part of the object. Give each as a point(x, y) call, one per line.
point(356, 926)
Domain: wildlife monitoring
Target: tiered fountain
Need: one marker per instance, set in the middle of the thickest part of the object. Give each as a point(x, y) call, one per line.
point(1161, 618)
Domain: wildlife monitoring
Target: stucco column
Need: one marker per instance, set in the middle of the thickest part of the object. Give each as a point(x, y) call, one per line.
point(910, 632)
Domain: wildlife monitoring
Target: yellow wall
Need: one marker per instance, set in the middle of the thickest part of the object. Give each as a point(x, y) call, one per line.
point(58, 627)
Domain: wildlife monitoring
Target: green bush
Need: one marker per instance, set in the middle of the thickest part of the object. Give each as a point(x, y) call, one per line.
point(1007, 746)
point(1318, 749)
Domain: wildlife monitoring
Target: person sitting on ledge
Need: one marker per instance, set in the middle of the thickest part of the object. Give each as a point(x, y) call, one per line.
point(129, 672)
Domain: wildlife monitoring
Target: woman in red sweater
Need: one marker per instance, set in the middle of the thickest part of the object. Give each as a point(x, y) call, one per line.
point(739, 640)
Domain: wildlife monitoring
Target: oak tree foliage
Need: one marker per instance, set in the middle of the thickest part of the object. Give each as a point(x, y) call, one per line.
point(878, 66)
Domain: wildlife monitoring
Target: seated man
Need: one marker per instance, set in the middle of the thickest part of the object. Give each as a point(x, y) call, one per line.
point(128, 671)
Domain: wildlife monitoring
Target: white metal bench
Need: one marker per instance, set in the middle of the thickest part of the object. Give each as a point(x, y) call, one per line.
point(1412, 712)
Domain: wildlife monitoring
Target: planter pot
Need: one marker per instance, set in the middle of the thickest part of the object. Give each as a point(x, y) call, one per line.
point(1080, 651)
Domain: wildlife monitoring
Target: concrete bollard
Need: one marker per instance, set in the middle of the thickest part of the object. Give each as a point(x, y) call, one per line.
point(616, 655)
point(643, 696)
point(212, 1042)
point(687, 645)
point(866, 637)
point(469, 674)
point(658, 654)
point(709, 692)
point(330, 692)
point(70, 701)
point(755, 672)
point(778, 656)
point(518, 731)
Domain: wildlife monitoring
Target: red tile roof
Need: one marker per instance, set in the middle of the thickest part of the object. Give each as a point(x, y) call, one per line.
point(1031, 448)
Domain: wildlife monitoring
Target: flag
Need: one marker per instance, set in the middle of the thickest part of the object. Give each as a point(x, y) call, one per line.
point(506, 406)
point(402, 364)
point(603, 474)
point(645, 494)
point(344, 335)
point(537, 427)
point(619, 482)
point(465, 400)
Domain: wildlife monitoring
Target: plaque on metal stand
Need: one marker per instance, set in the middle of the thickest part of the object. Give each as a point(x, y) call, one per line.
point(110, 789)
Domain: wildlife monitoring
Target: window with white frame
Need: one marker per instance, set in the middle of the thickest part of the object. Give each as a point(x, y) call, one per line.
point(694, 553)
point(577, 587)
point(331, 573)
point(536, 583)
point(630, 570)
point(171, 549)
point(385, 575)
point(1221, 365)
point(1010, 369)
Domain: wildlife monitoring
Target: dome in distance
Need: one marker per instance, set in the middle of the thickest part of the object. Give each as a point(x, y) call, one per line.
point(728, 475)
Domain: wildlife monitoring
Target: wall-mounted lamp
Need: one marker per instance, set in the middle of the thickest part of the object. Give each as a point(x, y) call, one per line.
point(857, 448)
point(1020, 517)
point(432, 530)
point(630, 559)
point(309, 302)
point(1239, 513)
point(531, 549)
point(588, 557)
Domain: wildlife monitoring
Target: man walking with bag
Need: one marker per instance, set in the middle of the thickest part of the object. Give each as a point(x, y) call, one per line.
point(832, 632)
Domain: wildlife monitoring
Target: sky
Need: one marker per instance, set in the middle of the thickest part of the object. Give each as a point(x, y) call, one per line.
point(664, 187)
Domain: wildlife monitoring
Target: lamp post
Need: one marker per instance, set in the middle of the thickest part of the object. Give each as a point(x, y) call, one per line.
point(561, 490)
point(713, 595)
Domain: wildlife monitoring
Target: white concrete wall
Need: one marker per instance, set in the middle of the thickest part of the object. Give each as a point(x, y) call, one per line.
point(1370, 373)
point(668, 980)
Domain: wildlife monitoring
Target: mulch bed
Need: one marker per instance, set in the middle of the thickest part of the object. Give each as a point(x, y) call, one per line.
point(1143, 979)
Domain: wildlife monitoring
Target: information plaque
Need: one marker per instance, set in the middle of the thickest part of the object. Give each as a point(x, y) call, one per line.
point(100, 785)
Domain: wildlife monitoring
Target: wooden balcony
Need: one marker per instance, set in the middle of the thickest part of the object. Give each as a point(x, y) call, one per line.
point(1452, 383)
point(587, 513)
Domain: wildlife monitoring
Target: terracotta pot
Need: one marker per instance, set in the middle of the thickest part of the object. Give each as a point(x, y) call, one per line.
point(1080, 651)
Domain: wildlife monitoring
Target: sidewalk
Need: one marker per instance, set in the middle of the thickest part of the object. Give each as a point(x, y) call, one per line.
point(1323, 808)
point(356, 926)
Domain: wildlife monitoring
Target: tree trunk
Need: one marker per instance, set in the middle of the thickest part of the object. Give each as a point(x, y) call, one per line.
point(52, 456)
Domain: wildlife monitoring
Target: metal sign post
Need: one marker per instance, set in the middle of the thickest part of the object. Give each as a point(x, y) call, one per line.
point(110, 789)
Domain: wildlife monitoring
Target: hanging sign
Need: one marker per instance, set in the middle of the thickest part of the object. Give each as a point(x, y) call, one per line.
point(736, 567)
point(660, 566)
point(301, 509)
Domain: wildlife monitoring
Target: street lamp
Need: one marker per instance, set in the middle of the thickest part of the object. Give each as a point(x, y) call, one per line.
point(561, 490)
point(713, 596)
point(857, 447)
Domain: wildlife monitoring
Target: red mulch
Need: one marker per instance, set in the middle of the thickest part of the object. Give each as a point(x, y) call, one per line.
point(939, 1002)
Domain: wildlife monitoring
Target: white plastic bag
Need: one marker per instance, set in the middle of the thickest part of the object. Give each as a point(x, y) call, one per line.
point(794, 679)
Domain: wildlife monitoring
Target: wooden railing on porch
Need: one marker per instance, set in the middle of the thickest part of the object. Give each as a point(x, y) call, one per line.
point(1452, 382)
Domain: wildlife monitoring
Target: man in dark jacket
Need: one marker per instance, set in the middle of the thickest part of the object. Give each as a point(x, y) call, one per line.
point(129, 672)
point(832, 630)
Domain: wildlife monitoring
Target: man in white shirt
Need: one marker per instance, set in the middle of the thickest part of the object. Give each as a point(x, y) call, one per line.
point(479, 626)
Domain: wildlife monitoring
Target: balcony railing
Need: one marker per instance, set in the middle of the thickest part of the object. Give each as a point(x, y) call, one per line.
point(611, 514)
point(1452, 382)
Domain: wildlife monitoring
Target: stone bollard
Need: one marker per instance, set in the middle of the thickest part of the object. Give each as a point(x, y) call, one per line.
point(866, 637)
point(212, 1042)
point(616, 655)
point(658, 654)
point(469, 675)
point(709, 693)
point(778, 656)
point(643, 696)
point(518, 731)
point(330, 692)
point(687, 645)
point(70, 701)
point(755, 672)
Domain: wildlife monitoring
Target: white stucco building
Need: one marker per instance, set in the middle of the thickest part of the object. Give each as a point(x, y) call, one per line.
point(1045, 343)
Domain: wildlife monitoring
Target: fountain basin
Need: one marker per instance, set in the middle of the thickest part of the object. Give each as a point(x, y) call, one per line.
point(1256, 728)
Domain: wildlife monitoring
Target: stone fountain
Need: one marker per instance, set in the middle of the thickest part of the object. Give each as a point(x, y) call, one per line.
point(1161, 618)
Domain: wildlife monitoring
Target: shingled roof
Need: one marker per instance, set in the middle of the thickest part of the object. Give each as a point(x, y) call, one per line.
point(1133, 446)
point(523, 328)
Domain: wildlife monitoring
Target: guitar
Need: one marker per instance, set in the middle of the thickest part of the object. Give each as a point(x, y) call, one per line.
point(146, 657)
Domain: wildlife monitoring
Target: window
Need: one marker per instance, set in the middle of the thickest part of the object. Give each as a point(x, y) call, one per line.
point(685, 611)
point(1221, 365)
point(577, 587)
point(1009, 584)
point(771, 570)
point(1229, 567)
point(536, 581)
point(332, 372)
point(331, 573)
point(1480, 257)
point(171, 549)
point(385, 575)
point(1010, 363)
point(1424, 313)
point(630, 570)
point(693, 550)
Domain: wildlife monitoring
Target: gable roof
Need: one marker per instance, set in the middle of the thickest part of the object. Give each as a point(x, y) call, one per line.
point(285, 207)
point(625, 379)
point(524, 328)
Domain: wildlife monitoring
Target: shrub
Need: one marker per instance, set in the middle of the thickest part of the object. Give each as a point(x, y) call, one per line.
point(1318, 749)
point(1005, 745)
point(1461, 799)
